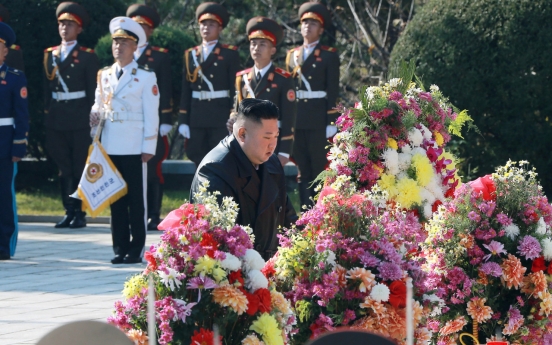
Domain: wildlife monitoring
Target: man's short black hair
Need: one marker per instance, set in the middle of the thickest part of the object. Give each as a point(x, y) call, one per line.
point(257, 109)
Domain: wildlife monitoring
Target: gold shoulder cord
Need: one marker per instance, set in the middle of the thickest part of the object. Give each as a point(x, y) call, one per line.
point(239, 89)
point(191, 77)
point(49, 76)
point(288, 60)
point(101, 90)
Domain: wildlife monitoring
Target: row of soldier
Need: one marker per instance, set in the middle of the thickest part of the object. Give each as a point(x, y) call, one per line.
point(305, 92)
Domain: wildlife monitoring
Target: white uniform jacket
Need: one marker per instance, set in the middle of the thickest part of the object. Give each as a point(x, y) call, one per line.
point(130, 105)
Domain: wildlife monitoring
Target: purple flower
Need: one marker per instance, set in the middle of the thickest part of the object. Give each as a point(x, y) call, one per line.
point(529, 247)
point(426, 96)
point(369, 260)
point(201, 283)
point(474, 216)
point(395, 96)
point(348, 316)
point(503, 219)
point(491, 269)
point(496, 248)
point(390, 271)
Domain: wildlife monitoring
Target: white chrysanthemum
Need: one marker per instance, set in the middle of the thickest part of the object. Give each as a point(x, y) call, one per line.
point(330, 259)
point(406, 149)
point(370, 93)
point(394, 82)
point(391, 161)
point(405, 160)
point(547, 248)
point(439, 304)
point(415, 137)
point(418, 151)
point(435, 186)
point(426, 132)
point(541, 227)
point(380, 292)
point(512, 231)
point(256, 280)
point(170, 279)
point(252, 260)
point(401, 175)
point(433, 88)
point(231, 262)
point(428, 210)
point(427, 196)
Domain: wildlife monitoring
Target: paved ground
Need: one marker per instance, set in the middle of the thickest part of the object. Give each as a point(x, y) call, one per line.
point(58, 276)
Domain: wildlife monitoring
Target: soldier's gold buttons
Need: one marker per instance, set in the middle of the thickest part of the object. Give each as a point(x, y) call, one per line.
point(310, 77)
point(199, 86)
point(314, 65)
point(68, 77)
point(211, 75)
point(215, 64)
point(267, 90)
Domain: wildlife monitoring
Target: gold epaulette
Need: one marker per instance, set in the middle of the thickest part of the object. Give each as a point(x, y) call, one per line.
point(282, 72)
point(15, 47)
point(47, 50)
point(245, 71)
point(88, 50)
point(229, 46)
point(329, 49)
point(159, 49)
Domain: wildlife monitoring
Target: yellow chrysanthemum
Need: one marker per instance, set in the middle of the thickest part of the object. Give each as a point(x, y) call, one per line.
point(219, 274)
point(424, 169)
point(438, 138)
point(205, 265)
point(230, 296)
point(408, 193)
point(134, 285)
point(267, 327)
point(387, 183)
point(392, 143)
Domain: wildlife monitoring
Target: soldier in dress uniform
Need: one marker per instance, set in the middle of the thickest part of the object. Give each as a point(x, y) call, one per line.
point(71, 71)
point(266, 81)
point(315, 69)
point(128, 96)
point(208, 84)
point(14, 128)
point(15, 54)
point(158, 60)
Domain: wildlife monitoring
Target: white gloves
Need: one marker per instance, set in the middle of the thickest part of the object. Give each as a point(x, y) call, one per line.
point(330, 131)
point(164, 129)
point(93, 131)
point(184, 130)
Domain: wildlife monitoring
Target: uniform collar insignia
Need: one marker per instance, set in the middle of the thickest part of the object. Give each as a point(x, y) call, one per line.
point(3, 74)
point(148, 52)
point(317, 52)
point(133, 71)
point(270, 76)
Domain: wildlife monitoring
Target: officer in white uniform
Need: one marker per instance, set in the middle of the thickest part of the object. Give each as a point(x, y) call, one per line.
point(128, 97)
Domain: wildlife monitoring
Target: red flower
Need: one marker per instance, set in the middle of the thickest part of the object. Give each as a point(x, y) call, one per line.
point(204, 337)
point(435, 206)
point(538, 264)
point(484, 185)
point(252, 302)
point(549, 270)
point(268, 270)
point(236, 276)
point(209, 244)
point(397, 298)
point(152, 263)
point(264, 300)
point(325, 191)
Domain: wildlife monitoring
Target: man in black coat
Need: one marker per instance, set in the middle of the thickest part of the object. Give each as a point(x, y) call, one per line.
point(244, 167)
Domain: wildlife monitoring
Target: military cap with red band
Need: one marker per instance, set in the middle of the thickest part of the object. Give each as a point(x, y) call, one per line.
point(7, 35)
point(4, 14)
point(143, 14)
point(262, 27)
point(316, 11)
point(212, 11)
point(72, 11)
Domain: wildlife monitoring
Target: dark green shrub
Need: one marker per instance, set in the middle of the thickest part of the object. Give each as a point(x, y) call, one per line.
point(491, 57)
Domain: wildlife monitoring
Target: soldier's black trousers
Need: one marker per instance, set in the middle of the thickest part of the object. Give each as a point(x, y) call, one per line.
point(128, 214)
point(69, 150)
point(309, 153)
point(155, 178)
point(202, 140)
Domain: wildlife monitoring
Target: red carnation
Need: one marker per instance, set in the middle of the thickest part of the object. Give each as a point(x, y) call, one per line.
point(268, 270)
point(204, 337)
point(538, 264)
point(264, 300)
point(397, 298)
point(485, 186)
point(236, 276)
point(252, 302)
point(209, 244)
point(152, 263)
point(549, 270)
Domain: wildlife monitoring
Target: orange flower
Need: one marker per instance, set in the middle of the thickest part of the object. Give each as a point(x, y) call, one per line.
point(371, 324)
point(512, 272)
point(138, 337)
point(341, 272)
point(546, 304)
point(467, 241)
point(534, 283)
point(366, 277)
point(280, 302)
point(422, 335)
point(396, 323)
point(418, 312)
point(453, 326)
point(229, 296)
point(478, 310)
point(377, 307)
point(252, 340)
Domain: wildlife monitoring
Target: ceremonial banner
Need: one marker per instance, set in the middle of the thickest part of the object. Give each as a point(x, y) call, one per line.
point(100, 184)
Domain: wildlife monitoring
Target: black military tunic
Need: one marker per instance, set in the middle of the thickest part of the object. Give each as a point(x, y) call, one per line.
point(207, 115)
point(275, 86)
point(15, 58)
point(315, 107)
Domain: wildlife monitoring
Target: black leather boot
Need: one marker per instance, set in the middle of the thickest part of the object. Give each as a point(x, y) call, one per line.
point(66, 184)
point(155, 198)
point(80, 217)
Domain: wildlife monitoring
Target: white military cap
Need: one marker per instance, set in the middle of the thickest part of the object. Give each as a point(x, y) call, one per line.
point(125, 27)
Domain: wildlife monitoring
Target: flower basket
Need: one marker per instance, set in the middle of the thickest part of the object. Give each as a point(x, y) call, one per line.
point(206, 273)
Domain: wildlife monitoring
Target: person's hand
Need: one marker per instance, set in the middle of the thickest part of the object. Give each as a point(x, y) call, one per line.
point(93, 131)
point(164, 129)
point(94, 119)
point(283, 159)
point(16, 159)
point(146, 157)
point(230, 122)
point(330, 131)
point(184, 130)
